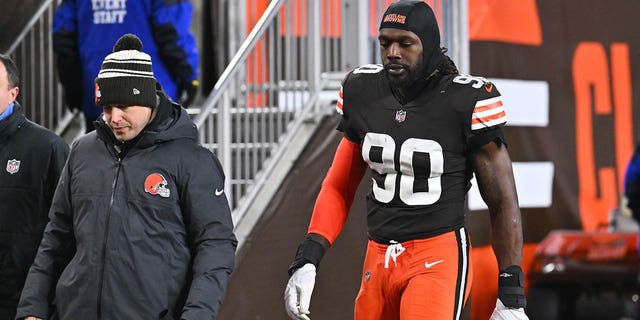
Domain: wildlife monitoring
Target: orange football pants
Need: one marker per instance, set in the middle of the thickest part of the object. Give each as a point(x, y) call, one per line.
point(417, 279)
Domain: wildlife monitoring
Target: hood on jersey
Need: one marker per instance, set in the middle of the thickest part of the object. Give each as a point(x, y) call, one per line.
point(417, 17)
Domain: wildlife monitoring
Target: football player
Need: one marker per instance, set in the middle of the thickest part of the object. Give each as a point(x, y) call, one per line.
point(423, 129)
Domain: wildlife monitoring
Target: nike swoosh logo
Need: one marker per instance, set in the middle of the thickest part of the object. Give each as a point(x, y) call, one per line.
point(489, 88)
point(219, 191)
point(429, 265)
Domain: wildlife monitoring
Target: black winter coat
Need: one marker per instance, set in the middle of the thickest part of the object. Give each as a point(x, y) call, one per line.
point(147, 235)
point(31, 159)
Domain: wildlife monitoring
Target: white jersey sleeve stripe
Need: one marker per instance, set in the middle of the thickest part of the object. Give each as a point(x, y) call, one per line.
point(339, 103)
point(488, 104)
point(487, 113)
point(488, 124)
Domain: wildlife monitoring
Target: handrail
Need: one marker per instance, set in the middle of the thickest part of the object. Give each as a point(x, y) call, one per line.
point(239, 58)
point(261, 180)
point(33, 53)
point(45, 5)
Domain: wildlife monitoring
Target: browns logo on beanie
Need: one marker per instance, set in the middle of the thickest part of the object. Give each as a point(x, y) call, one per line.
point(417, 17)
point(126, 77)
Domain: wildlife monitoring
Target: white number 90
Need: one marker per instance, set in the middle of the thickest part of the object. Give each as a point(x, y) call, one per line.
point(386, 168)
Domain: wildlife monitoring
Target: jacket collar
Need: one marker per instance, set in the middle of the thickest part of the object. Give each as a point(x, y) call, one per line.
point(12, 123)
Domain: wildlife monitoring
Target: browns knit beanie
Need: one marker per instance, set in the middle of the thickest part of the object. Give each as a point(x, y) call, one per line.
point(126, 77)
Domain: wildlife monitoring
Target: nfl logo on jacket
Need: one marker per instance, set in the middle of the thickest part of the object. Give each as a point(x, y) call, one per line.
point(13, 166)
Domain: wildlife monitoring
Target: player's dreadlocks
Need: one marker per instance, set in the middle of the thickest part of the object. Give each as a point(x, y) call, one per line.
point(447, 66)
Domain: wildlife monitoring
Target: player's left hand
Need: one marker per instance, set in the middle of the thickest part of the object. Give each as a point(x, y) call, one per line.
point(188, 91)
point(503, 313)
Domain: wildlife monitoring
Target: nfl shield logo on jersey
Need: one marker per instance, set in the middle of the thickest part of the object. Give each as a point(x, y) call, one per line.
point(401, 115)
point(13, 166)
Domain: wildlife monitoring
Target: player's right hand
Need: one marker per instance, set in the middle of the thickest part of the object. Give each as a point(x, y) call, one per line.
point(297, 295)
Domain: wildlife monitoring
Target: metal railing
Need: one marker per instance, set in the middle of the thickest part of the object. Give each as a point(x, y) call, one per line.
point(40, 92)
point(267, 89)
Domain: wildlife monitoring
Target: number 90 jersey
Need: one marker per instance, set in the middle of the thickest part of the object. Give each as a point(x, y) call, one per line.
point(418, 152)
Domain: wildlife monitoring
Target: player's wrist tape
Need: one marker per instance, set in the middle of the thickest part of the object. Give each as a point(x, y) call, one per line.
point(309, 251)
point(511, 287)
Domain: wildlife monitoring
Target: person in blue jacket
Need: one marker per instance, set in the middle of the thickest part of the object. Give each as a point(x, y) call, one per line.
point(84, 31)
point(632, 191)
point(632, 184)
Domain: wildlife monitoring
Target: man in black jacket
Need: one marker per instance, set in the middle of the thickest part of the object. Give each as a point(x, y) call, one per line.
point(34, 157)
point(140, 226)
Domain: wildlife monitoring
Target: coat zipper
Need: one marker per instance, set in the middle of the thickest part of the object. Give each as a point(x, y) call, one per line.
point(106, 237)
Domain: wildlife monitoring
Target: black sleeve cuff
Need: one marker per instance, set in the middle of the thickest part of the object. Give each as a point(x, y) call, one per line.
point(309, 251)
point(511, 287)
point(480, 139)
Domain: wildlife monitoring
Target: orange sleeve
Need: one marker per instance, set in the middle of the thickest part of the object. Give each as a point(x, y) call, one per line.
point(338, 190)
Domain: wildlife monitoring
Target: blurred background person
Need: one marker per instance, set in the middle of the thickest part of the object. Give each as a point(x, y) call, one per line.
point(632, 184)
point(83, 34)
point(33, 158)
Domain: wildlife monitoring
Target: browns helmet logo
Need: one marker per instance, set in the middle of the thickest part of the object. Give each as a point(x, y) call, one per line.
point(156, 184)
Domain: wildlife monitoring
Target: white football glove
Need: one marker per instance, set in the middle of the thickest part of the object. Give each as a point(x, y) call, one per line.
point(503, 313)
point(297, 296)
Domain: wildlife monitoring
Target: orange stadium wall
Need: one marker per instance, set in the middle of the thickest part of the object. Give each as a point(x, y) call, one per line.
point(593, 111)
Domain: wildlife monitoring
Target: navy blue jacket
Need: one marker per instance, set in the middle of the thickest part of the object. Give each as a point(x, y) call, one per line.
point(632, 184)
point(141, 234)
point(84, 32)
point(31, 159)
